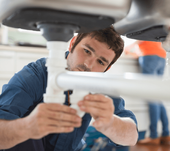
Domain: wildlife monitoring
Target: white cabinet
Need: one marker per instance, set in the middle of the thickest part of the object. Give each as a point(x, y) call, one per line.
point(7, 62)
point(125, 64)
point(23, 58)
point(13, 59)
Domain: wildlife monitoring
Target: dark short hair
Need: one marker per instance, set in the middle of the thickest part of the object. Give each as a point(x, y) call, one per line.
point(108, 36)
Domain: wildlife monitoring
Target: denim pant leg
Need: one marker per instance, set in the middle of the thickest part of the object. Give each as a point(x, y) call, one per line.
point(164, 119)
point(152, 64)
point(154, 113)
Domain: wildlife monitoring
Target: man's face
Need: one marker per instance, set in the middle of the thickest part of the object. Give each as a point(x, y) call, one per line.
point(90, 55)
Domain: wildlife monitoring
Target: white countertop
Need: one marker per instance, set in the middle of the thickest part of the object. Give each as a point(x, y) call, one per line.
point(23, 49)
point(43, 50)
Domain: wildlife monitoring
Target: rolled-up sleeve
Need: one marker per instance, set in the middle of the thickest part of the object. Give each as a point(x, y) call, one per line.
point(120, 111)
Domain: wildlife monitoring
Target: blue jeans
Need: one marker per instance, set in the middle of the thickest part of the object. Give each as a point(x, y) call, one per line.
point(155, 65)
point(157, 111)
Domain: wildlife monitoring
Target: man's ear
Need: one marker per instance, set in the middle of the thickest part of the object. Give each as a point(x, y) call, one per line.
point(72, 43)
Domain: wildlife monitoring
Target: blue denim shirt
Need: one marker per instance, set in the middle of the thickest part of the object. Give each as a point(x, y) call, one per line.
point(25, 90)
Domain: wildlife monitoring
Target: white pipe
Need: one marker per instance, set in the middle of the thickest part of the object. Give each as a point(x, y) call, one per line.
point(136, 85)
point(56, 64)
point(75, 97)
point(4, 35)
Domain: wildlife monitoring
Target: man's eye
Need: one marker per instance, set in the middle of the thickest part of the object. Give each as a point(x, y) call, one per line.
point(100, 62)
point(87, 51)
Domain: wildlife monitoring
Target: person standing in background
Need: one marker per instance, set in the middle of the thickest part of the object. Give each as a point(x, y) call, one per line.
point(151, 57)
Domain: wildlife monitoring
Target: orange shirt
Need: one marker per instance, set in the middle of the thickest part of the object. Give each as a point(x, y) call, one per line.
point(151, 48)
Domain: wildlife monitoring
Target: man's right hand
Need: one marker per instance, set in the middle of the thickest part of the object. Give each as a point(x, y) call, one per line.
point(49, 118)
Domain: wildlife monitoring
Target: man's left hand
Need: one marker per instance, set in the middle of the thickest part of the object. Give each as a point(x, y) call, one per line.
point(100, 107)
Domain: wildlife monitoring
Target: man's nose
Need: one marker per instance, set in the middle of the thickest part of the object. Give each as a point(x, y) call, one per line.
point(89, 63)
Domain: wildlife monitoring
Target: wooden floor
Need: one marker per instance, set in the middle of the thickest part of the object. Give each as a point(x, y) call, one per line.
point(150, 148)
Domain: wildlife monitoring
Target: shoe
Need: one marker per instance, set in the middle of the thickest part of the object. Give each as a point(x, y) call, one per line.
point(165, 140)
point(149, 141)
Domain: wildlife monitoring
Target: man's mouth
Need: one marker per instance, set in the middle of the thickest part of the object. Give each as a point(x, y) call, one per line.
point(79, 69)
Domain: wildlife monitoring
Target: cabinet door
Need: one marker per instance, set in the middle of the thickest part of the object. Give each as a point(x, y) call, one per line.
point(7, 66)
point(7, 62)
point(24, 58)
